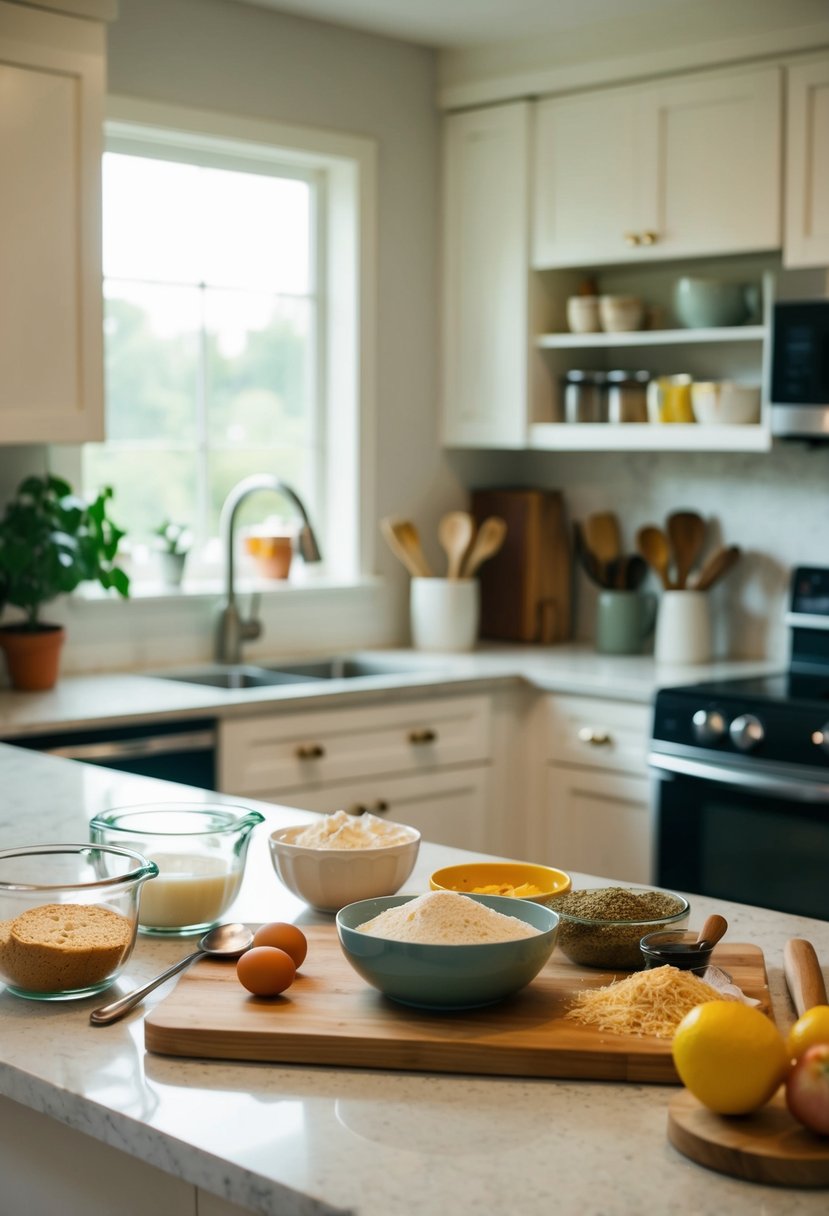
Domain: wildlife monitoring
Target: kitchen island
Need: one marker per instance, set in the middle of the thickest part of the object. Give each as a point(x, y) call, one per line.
point(91, 1123)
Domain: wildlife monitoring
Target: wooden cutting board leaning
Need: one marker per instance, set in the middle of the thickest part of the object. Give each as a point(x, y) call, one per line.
point(330, 1016)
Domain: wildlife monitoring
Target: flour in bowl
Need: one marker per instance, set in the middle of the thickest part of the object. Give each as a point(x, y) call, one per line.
point(343, 831)
point(446, 918)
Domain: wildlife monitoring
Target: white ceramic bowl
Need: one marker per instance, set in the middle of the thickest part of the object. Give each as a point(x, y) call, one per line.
point(328, 879)
point(725, 403)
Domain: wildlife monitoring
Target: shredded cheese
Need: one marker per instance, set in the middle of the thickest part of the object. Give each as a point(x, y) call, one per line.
point(645, 1003)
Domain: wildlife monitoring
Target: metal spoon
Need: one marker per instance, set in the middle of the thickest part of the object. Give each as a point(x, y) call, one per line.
point(225, 941)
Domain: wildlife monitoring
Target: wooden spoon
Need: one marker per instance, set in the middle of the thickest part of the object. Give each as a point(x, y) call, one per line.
point(715, 566)
point(587, 558)
point(455, 532)
point(713, 928)
point(601, 535)
point(487, 542)
point(803, 975)
point(402, 538)
point(653, 544)
point(686, 532)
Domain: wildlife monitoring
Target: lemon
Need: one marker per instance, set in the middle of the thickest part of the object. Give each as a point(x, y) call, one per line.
point(730, 1056)
point(811, 1028)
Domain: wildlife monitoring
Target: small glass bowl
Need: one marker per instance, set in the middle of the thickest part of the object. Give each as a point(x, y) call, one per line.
point(200, 851)
point(613, 944)
point(675, 948)
point(68, 917)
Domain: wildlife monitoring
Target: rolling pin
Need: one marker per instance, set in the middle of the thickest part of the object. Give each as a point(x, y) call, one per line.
point(803, 975)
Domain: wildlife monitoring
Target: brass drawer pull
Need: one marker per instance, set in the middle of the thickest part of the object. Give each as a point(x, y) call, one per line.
point(309, 751)
point(422, 736)
point(631, 238)
point(649, 238)
point(358, 808)
point(596, 738)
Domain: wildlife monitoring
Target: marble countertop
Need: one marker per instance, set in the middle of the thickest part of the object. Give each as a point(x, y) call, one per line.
point(299, 1140)
point(118, 698)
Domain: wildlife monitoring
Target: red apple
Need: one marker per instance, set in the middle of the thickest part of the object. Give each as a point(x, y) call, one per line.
point(807, 1089)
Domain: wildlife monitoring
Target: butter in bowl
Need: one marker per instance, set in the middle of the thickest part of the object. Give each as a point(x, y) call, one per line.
point(516, 879)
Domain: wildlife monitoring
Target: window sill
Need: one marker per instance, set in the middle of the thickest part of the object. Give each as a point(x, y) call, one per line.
point(149, 591)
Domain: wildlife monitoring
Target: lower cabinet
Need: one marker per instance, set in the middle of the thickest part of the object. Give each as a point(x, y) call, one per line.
point(425, 762)
point(592, 801)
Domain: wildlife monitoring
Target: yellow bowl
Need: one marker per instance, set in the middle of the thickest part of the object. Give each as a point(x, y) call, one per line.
point(481, 877)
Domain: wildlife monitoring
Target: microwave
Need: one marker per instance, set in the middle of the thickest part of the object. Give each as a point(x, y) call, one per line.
point(800, 370)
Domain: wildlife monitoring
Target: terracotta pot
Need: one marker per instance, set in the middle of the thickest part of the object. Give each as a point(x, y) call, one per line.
point(32, 656)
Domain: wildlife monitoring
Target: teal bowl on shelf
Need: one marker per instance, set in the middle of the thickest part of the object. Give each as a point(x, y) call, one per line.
point(440, 977)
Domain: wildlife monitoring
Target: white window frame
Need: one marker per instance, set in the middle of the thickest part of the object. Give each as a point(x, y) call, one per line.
point(347, 348)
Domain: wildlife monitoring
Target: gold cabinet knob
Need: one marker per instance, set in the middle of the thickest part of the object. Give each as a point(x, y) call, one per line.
point(631, 238)
point(359, 808)
point(596, 738)
point(309, 751)
point(649, 238)
point(422, 736)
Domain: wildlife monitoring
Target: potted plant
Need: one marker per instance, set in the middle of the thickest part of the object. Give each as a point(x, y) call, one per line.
point(174, 542)
point(51, 541)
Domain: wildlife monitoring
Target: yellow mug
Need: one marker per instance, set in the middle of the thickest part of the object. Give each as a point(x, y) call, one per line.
point(669, 399)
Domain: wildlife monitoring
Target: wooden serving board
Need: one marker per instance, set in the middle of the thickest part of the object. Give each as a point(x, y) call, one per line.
point(331, 1016)
point(768, 1146)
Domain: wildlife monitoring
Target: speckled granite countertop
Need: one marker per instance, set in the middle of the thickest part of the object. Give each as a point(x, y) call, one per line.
point(113, 699)
point(296, 1140)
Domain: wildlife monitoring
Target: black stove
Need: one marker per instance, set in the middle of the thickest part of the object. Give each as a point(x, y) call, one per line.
point(742, 796)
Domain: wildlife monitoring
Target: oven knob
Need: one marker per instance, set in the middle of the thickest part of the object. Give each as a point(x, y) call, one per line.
point(820, 738)
point(709, 725)
point(746, 732)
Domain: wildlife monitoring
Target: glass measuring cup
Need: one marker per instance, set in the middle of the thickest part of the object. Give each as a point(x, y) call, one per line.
point(200, 850)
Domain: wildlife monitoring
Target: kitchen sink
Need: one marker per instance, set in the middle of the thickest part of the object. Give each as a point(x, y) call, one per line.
point(238, 676)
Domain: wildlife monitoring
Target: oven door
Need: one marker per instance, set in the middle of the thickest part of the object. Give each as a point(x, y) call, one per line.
point(756, 837)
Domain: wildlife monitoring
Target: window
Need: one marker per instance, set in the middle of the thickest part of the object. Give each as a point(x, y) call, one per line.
point(233, 343)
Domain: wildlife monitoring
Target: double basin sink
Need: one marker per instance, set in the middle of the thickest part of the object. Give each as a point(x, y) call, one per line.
point(238, 676)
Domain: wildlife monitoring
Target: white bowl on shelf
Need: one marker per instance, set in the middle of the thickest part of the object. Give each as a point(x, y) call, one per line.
point(725, 403)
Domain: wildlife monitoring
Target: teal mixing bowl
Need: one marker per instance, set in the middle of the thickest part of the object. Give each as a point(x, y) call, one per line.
point(447, 977)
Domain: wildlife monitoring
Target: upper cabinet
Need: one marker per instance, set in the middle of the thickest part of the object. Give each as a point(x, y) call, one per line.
point(485, 259)
point(688, 167)
point(807, 167)
point(51, 132)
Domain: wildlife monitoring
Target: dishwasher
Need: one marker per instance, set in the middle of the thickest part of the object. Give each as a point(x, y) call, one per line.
point(183, 751)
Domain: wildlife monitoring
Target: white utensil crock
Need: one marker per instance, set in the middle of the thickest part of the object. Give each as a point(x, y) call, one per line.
point(683, 628)
point(444, 613)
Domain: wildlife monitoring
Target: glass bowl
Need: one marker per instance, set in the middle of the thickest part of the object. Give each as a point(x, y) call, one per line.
point(609, 943)
point(68, 917)
point(678, 948)
point(200, 851)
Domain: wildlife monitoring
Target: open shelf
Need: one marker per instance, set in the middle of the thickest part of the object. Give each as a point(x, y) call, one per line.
point(646, 437)
point(651, 337)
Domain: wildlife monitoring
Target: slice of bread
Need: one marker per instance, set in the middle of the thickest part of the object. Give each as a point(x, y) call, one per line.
point(63, 947)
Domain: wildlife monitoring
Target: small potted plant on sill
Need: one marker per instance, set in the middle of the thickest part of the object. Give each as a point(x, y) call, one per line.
point(173, 541)
point(51, 541)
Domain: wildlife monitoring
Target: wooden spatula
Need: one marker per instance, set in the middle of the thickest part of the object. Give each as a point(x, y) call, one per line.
point(653, 545)
point(601, 535)
point(803, 975)
point(487, 542)
point(686, 533)
point(715, 566)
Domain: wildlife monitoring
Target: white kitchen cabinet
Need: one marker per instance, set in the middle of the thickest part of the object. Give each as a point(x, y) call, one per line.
point(425, 762)
point(593, 804)
point(687, 167)
point(485, 282)
point(52, 71)
point(807, 165)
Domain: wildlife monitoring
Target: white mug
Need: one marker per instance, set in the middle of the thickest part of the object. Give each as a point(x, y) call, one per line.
point(683, 628)
point(445, 613)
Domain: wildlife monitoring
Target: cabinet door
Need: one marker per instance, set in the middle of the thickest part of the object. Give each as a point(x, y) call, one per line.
point(448, 808)
point(807, 165)
point(51, 131)
point(586, 197)
point(485, 276)
point(592, 732)
point(710, 163)
point(598, 823)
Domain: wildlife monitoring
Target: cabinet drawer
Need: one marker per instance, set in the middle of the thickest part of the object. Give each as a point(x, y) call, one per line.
point(447, 807)
point(283, 752)
point(599, 734)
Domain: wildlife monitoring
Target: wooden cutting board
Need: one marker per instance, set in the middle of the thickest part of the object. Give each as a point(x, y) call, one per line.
point(768, 1146)
point(331, 1016)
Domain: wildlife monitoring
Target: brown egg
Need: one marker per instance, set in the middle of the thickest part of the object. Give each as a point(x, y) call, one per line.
point(265, 971)
point(285, 937)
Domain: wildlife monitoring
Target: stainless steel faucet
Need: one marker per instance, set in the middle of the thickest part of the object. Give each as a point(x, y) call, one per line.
point(233, 627)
